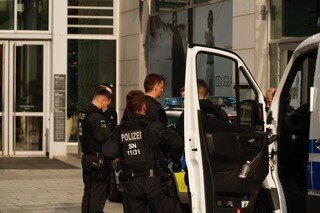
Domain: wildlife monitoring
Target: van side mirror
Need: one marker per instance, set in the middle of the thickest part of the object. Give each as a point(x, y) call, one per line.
point(251, 114)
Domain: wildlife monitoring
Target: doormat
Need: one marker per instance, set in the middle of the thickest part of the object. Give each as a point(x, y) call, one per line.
point(33, 163)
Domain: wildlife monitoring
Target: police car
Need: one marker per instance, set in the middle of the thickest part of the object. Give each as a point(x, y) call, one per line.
point(267, 161)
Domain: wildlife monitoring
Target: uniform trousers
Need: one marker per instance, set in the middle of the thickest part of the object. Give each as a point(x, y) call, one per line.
point(96, 189)
point(145, 193)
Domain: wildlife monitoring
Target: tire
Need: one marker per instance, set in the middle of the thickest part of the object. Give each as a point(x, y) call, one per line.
point(263, 204)
point(115, 195)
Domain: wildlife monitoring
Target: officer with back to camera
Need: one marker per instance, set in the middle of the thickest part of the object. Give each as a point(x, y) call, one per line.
point(141, 144)
point(93, 133)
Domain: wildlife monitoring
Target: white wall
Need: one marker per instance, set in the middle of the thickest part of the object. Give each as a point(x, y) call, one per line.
point(132, 69)
point(58, 64)
point(250, 38)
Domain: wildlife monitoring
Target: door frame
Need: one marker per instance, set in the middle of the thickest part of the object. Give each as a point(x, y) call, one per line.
point(3, 113)
point(8, 99)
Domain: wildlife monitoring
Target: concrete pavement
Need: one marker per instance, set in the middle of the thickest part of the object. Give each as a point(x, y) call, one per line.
point(58, 190)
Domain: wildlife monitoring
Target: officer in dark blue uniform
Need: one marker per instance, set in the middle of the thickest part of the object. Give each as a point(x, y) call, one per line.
point(141, 146)
point(94, 131)
point(153, 86)
point(110, 113)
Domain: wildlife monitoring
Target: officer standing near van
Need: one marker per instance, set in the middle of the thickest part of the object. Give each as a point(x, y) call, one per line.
point(141, 146)
point(93, 133)
point(153, 86)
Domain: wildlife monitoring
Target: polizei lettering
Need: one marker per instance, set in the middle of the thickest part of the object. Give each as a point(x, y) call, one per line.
point(130, 136)
point(132, 140)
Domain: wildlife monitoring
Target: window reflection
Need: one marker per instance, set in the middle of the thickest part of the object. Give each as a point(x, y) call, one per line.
point(32, 14)
point(90, 63)
point(29, 78)
point(304, 21)
point(28, 133)
point(6, 14)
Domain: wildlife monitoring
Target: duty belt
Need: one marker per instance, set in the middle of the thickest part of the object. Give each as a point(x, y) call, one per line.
point(149, 173)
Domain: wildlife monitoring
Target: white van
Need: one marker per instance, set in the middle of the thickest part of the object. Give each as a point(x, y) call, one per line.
point(268, 161)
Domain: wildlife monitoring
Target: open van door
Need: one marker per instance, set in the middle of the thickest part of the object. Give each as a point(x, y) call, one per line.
point(227, 161)
point(313, 198)
point(294, 118)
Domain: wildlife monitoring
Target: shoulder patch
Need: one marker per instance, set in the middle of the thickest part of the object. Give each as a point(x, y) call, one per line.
point(82, 115)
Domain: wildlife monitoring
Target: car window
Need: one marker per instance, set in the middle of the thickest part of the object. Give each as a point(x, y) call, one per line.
point(300, 86)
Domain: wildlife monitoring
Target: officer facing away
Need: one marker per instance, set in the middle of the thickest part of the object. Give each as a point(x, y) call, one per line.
point(153, 86)
point(141, 145)
point(93, 133)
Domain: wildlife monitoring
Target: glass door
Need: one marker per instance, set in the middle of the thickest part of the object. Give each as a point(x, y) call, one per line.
point(26, 102)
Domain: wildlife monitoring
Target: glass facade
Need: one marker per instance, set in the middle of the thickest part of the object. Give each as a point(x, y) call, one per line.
point(6, 14)
point(294, 18)
point(33, 15)
point(90, 63)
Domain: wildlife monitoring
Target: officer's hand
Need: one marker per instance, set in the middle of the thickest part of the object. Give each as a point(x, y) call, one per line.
point(176, 166)
point(98, 164)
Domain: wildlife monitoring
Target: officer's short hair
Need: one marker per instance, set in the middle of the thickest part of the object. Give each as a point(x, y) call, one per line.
point(101, 92)
point(108, 87)
point(202, 87)
point(135, 100)
point(151, 80)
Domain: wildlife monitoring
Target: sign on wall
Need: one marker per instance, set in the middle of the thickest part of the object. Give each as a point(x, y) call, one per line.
point(59, 107)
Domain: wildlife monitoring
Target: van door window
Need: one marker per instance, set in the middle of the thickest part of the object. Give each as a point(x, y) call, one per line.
point(220, 75)
point(299, 91)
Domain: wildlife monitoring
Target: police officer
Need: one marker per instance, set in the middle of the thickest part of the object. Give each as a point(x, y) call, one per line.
point(141, 146)
point(110, 113)
point(93, 133)
point(153, 86)
point(208, 109)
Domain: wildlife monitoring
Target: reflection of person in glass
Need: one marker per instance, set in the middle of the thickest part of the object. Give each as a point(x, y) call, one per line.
point(178, 58)
point(209, 38)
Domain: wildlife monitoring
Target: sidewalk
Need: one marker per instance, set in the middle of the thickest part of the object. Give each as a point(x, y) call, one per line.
point(58, 190)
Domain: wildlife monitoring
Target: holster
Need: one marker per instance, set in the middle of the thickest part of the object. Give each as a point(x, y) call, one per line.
point(126, 175)
point(100, 169)
point(168, 184)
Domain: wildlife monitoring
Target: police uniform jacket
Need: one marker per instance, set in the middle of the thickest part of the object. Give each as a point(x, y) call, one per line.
point(112, 117)
point(93, 129)
point(155, 111)
point(137, 132)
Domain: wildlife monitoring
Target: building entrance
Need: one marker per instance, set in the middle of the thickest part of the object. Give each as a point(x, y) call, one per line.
point(23, 102)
